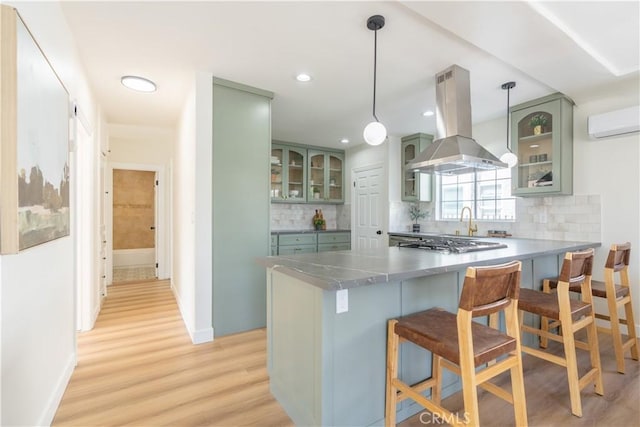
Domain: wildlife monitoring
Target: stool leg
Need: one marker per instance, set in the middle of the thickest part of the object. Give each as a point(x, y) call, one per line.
point(631, 329)
point(614, 320)
point(544, 321)
point(594, 350)
point(517, 377)
point(628, 308)
point(392, 374)
point(467, 370)
point(436, 374)
point(568, 340)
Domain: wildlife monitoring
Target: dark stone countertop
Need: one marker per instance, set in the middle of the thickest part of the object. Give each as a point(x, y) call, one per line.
point(349, 269)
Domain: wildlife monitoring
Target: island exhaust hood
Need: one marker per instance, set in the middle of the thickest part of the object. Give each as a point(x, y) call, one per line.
point(454, 152)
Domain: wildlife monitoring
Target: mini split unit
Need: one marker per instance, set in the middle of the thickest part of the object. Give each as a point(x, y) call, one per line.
point(614, 123)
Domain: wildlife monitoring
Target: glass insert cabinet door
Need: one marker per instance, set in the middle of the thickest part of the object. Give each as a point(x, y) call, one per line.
point(409, 189)
point(326, 177)
point(277, 173)
point(288, 174)
point(542, 138)
point(414, 186)
point(535, 150)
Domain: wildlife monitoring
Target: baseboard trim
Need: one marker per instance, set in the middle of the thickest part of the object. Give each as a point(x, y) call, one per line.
point(52, 407)
point(202, 336)
point(197, 337)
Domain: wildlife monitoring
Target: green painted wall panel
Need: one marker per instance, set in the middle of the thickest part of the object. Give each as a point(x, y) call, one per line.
point(241, 150)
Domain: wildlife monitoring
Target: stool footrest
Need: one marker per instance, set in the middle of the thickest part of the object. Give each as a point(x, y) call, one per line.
point(544, 355)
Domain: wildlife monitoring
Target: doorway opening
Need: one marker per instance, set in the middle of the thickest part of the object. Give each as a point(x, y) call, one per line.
point(134, 225)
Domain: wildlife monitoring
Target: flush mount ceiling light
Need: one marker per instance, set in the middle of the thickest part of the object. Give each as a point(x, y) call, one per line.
point(375, 133)
point(302, 77)
point(509, 158)
point(139, 84)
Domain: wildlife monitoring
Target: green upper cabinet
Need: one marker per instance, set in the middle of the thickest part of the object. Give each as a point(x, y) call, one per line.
point(542, 138)
point(326, 177)
point(306, 174)
point(288, 174)
point(415, 186)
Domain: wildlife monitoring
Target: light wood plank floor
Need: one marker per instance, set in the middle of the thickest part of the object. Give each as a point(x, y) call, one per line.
point(138, 367)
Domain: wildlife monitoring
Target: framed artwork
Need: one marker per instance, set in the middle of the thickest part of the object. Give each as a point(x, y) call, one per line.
point(34, 132)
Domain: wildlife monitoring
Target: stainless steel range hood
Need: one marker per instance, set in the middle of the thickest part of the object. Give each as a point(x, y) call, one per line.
point(454, 152)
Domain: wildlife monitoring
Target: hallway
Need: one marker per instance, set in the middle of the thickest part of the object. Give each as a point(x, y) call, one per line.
point(138, 367)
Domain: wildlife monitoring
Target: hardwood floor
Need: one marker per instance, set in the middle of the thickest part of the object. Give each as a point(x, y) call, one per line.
point(138, 367)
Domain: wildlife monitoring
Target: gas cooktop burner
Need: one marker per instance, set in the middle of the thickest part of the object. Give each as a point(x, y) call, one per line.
point(450, 244)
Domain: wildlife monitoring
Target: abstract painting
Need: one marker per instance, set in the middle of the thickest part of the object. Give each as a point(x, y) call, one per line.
point(39, 189)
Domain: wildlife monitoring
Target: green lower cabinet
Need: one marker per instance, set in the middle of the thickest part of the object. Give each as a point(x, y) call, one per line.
point(291, 244)
point(293, 250)
point(326, 247)
point(304, 243)
point(334, 242)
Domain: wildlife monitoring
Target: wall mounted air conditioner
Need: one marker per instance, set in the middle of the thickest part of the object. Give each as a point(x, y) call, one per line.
point(614, 123)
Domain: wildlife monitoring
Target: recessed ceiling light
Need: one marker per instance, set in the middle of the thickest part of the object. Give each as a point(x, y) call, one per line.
point(302, 77)
point(534, 146)
point(139, 84)
point(344, 140)
point(428, 113)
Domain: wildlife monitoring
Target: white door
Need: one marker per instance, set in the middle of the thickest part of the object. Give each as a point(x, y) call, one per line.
point(370, 207)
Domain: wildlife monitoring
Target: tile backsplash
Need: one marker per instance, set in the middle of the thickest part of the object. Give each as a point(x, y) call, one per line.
point(296, 216)
point(568, 218)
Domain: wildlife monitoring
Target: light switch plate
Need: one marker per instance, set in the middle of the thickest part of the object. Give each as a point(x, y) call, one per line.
point(342, 301)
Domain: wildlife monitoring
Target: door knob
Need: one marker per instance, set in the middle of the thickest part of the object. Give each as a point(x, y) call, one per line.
point(379, 232)
point(152, 228)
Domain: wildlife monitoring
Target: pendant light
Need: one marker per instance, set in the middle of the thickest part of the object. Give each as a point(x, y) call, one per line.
point(509, 158)
point(375, 133)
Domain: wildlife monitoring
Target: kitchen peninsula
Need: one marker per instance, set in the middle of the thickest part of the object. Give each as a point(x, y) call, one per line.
point(328, 368)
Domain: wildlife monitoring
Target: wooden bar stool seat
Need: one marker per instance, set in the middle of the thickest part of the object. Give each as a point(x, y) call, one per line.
point(571, 315)
point(617, 296)
point(462, 345)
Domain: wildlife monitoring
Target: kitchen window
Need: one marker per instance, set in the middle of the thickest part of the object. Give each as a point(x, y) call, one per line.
point(487, 193)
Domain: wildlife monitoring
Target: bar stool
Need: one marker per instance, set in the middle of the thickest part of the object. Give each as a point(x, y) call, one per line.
point(571, 315)
point(617, 296)
point(461, 345)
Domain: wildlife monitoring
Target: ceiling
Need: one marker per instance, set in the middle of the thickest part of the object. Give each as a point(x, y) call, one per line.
point(265, 44)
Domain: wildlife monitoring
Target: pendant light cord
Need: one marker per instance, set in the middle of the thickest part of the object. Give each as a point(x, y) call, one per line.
point(375, 60)
point(508, 86)
point(508, 119)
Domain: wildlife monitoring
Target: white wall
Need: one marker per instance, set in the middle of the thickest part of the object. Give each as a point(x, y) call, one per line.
point(609, 167)
point(141, 144)
point(192, 257)
point(37, 285)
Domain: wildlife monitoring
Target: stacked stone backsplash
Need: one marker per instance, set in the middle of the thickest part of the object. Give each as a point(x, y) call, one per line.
point(568, 218)
point(297, 216)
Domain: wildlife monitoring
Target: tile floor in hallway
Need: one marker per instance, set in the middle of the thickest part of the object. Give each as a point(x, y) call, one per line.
point(129, 274)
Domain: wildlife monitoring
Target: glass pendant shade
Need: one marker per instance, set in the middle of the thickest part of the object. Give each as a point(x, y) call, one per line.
point(375, 133)
point(509, 158)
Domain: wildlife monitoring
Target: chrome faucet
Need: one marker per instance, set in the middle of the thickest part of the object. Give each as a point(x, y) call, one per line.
point(472, 228)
